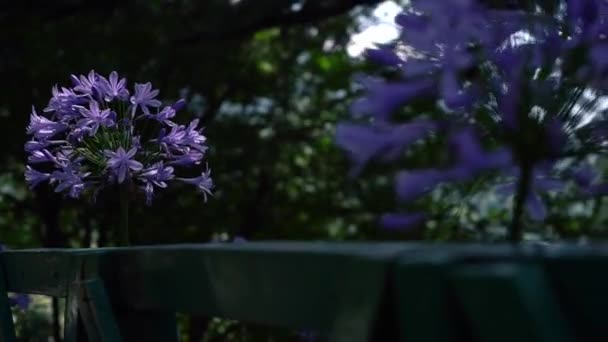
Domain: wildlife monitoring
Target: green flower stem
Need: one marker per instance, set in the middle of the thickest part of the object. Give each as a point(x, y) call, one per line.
point(523, 190)
point(124, 213)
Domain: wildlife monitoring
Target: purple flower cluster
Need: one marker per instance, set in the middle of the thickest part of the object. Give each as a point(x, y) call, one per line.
point(508, 84)
point(96, 133)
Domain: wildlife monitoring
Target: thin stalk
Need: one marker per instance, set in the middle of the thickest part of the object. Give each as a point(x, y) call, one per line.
point(124, 215)
point(523, 190)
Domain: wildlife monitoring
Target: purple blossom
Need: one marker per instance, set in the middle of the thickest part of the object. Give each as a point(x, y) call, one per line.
point(70, 178)
point(472, 160)
point(164, 116)
point(189, 157)
point(182, 139)
point(121, 162)
point(20, 300)
point(401, 221)
point(156, 175)
point(35, 145)
point(383, 98)
point(93, 118)
point(179, 105)
point(63, 102)
point(381, 141)
point(174, 138)
point(145, 97)
point(41, 156)
point(33, 177)
point(86, 84)
point(193, 137)
point(113, 88)
point(584, 176)
point(42, 127)
point(498, 77)
point(204, 183)
point(541, 182)
point(78, 155)
point(412, 185)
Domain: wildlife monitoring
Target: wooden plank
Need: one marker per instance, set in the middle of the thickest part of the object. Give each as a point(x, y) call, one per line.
point(97, 313)
point(46, 272)
point(335, 288)
point(71, 329)
point(579, 277)
point(507, 302)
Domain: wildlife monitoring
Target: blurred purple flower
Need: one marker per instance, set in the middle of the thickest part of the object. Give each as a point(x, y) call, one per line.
point(383, 98)
point(179, 105)
point(472, 160)
point(541, 182)
point(381, 141)
point(411, 185)
point(22, 301)
point(401, 221)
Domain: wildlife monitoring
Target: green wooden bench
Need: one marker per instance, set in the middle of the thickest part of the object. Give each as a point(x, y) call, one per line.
point(347, 291)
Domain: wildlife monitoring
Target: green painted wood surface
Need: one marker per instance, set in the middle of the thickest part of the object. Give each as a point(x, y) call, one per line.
point(507, 302)
point(335, 288)
point(43, 271)
point(426, 305)
point(350, 291)
point(580, 277)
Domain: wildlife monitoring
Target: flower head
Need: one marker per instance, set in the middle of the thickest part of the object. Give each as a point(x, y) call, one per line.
point(92, 135)
point(506, 89)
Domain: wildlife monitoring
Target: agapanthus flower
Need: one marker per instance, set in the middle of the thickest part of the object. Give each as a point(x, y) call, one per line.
point(156, 176)
point(113, 88)
point(86, 84)
point(33, 177)
point(145, 97)
point(43, 128)
point(93, 118)
point(70, 178)
point(121, 162)
point(203, 183)
point(93, 135)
